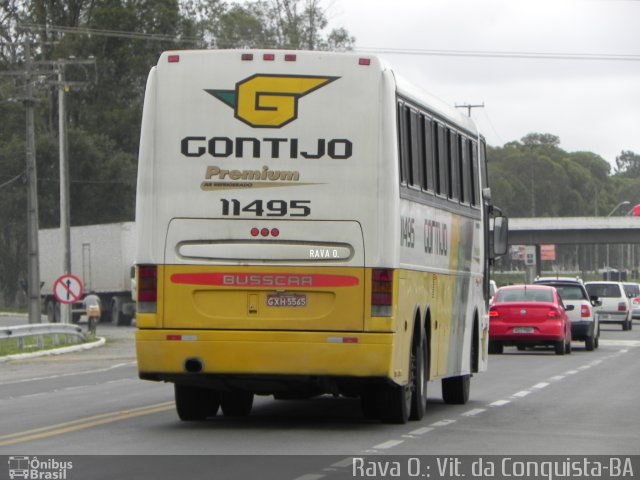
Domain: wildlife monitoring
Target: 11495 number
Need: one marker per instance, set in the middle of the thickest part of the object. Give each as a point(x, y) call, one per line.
point(271, 208)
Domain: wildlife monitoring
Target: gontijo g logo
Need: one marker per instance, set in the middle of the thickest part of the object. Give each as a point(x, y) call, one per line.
point(269, 101)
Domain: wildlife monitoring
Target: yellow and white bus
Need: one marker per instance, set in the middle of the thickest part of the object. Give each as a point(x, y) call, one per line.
point(308, 223)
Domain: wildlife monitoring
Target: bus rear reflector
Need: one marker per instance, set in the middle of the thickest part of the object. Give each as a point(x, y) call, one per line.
point(173, 58)
point(364, 61)
point(147, 288)
point(381, 292)
point(246, 56)
point(342, 340)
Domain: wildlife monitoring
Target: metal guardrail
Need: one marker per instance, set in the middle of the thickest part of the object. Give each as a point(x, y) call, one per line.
point(40, 330)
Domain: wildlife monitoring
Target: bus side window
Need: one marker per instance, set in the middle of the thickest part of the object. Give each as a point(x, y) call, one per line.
point(442, 187)
point(452, 163)
point(429, 167)
point(402, 143)
point(416, 149)
point(475, 180)
point(465, 172)
point(484, 176)
point(408, 162)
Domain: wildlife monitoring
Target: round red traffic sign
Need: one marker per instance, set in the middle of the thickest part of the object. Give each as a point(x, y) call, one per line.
point(68, 289)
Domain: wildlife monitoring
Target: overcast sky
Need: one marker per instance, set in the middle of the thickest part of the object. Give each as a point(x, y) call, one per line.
point(592, 104)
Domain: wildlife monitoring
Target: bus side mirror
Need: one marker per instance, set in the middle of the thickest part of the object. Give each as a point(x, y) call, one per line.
point(500, 235)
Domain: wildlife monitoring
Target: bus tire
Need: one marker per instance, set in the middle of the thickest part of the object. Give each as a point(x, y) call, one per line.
point(455, 390)
point(194, 403)
point(236, 404)
point(419, 376)
point(395, 403)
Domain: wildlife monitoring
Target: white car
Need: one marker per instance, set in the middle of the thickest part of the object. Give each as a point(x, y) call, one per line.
point(616, 307)
point(633, 292)
point(584, 321)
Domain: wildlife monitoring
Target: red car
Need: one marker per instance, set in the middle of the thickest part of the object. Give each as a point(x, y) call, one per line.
point(529, 315)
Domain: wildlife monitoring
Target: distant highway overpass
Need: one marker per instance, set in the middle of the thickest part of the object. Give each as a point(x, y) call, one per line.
point(574, 230)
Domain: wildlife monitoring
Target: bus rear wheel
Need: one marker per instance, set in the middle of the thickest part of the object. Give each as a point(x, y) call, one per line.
point(455, 390)
point(236, 404)
point(395, 403)
point(194, 403)
point(420, 375)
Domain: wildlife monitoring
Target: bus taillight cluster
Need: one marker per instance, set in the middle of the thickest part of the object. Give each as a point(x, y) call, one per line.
point(381, 292)
point(264, 232)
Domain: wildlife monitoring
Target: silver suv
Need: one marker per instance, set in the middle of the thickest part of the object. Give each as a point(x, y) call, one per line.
point(584, 321)
point(615, 306)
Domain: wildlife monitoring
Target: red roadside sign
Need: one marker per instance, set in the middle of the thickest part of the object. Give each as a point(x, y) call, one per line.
point(68, 289)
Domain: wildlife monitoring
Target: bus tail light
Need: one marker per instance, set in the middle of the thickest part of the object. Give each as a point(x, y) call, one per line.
point(147, 288)
point(381, 292)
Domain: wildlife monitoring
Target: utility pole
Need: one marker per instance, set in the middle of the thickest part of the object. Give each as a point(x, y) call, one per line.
point(65, 210)
point(469, 107)
point(33, 282)
point(65, 224)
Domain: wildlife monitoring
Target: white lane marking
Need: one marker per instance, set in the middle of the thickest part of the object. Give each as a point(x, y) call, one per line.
point(499, 403)
point(421, 431)
point(474, 412)
point(347, 462)
point(389, 444)
point(443, 423)
point(72, 374)
point(541, 385)
point(311, 476)
point(620, 343)
point(522, 393)
point(571, 372)
point(557, 377)
point(584, 367)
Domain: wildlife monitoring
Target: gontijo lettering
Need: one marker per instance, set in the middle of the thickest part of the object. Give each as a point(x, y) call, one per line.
point(274, 148)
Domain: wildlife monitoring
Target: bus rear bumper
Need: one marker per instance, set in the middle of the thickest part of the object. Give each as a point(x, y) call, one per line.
point(219, 358)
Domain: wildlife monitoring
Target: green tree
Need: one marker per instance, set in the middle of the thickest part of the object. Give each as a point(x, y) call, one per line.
point(544, 180)
point(628, 164)
point(285, 24)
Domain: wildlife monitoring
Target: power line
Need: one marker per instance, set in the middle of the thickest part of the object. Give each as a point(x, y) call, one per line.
point(107, 33)
point(503, 54)
point(9, 182)
point(395, 51)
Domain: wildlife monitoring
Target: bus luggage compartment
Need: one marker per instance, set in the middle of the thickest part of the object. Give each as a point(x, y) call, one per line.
point(264, 275)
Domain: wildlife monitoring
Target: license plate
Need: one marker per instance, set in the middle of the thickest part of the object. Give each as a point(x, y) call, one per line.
point(286, 300)
point(523, 330)
point(604, 316)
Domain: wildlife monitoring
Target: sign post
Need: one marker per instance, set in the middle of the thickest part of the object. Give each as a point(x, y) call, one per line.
point(67, 289)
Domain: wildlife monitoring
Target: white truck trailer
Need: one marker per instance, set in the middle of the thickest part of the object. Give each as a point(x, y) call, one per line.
point(102, 258)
